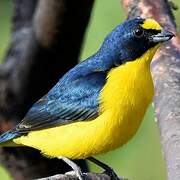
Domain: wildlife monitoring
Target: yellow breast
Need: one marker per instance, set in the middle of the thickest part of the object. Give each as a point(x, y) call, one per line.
point(127, 95)
point(123, 102)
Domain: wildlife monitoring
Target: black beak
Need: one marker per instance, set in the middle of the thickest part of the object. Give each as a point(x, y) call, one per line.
point(161, 37)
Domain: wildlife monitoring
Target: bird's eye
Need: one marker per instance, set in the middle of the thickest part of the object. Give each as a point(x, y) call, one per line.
point(139, 32)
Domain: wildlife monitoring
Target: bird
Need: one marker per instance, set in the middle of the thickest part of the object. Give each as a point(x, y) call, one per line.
point(99, 104)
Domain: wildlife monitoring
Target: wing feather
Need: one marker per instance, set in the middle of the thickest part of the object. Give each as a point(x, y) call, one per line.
point(66, 103)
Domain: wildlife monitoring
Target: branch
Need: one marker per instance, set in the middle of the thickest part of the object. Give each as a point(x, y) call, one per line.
point(71, 176)
point(67, 176)
point(166, 73)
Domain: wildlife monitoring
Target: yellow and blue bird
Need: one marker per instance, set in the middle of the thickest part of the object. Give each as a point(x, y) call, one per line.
point(99, 104)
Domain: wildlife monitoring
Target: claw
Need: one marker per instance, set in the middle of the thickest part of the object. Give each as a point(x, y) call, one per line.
point(113, 175)
point(79, 174)
point(77, 171)
point(110, 172)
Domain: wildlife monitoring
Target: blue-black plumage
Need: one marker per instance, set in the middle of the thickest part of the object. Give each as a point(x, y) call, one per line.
point(75, 96)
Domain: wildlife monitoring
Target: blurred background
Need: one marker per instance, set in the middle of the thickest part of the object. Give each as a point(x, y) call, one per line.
point(141, 158)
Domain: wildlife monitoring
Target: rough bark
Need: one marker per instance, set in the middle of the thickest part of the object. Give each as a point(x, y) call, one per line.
point(45, 43)
point(166, 75)
point(87, 176)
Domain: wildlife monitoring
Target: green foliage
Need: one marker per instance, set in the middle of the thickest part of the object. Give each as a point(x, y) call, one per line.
point(5, 15)
point(4, 175)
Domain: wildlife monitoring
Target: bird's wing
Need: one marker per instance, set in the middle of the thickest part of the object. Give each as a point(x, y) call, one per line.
point(66, 103)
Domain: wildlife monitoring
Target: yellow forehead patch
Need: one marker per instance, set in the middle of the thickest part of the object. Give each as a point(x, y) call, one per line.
point(151, 24)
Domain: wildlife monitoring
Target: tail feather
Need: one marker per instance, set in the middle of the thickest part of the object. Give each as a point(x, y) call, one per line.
point(9, 135)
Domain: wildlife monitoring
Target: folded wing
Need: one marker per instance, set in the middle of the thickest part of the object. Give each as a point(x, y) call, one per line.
point(66, 103)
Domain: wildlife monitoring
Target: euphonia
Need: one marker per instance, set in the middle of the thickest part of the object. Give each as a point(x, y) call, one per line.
point(99, 104)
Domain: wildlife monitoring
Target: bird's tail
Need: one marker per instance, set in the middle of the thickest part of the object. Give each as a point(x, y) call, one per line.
point(5, 139)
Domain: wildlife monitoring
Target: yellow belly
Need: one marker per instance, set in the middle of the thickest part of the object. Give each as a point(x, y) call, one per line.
point(124, 100)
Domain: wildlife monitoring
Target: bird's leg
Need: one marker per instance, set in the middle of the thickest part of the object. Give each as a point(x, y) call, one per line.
point(108, 170)
point(74, 166)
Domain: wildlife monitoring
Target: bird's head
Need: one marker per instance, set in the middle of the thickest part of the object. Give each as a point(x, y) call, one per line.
point(131, 39)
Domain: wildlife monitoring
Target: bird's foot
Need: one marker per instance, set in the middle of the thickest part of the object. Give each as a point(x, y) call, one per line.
point(77, 173)
point(76, 169)
point(110, 172)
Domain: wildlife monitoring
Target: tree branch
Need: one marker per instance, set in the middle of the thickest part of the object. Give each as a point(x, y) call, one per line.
point(88, 176)
point(166, 75)
point(71, 176)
